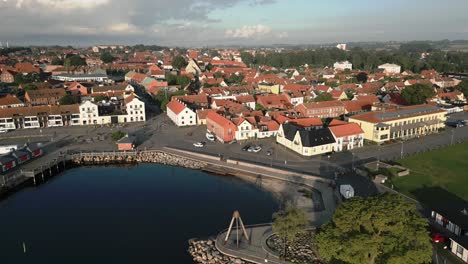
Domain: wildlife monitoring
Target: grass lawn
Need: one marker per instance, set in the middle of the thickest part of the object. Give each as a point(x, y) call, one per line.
point(446, 168)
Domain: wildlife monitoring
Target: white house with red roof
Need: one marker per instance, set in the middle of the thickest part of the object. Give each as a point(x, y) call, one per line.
point(348, 136)
point(246, 128)
point(180, 114)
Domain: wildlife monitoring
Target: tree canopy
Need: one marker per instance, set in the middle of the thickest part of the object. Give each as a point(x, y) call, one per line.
point(417, 94)
point(75, 60)
point(106, 57)
point(463, 87)
point(57, 61)
point(322, 97)
point(247, 58)
point(21, 78)
point(68, 100)
point(379, 229)
point(179, 62)
point(117, 135)
point(288, 223)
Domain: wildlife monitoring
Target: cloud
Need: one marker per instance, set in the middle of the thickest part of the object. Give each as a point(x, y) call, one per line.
point(248, 31)
point(59, 4)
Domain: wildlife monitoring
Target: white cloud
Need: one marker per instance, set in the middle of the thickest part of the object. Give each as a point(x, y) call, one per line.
point(124, 28)
point(248, 31)
point(60, 4)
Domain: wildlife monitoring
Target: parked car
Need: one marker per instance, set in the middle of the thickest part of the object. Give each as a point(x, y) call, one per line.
point(256, 149)
point(199, 144)
point(210, 137)
point(246, 147)
point(3, 130)
point(269, 152)
point(456, 123)
point(438, 238)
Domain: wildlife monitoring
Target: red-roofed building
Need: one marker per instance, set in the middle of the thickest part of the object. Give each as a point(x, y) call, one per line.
point(361, 103)
point(221, 127)
point(348, 136)
point(180, 114)
point(156, 72)
point(26, 67)
point(274, 101)
point(322, 109)
point(77, 88)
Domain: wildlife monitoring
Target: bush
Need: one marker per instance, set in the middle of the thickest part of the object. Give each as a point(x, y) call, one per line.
point(117, 135)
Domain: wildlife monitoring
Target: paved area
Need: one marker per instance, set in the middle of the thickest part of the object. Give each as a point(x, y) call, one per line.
point(254, 250)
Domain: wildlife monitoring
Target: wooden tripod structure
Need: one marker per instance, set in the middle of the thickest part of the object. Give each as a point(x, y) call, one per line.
point(237, 218)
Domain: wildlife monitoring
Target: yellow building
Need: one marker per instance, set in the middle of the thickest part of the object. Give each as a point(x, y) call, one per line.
point(269, 88)
point(400, 123)
point(307, 141)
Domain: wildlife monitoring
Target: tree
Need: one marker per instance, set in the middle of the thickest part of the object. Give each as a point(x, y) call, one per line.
point(106, 57)
point(463, 87)
point(209, 67)
point(100, 98)
point(288, 223)
point(417, 94)
point(76, 60)
point(21, 78)
point(57, 61)
point(235, 79)
point(361, 77)
point(117, 135)
point(247, 58)
point(379, 229)
point(323, 97)
point(179, 62)
point(259, 107)
point(68, 100)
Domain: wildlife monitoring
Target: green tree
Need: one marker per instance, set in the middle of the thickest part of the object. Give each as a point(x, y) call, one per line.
point(259, 107)
point(323, 97)
point(76, 60)
point(68, 100)
point(379, 229)
point(417, 94)
point(209, 67)
point(106, 57)
point(463, 87)
point(361, 77)
point(57, 61)
point(179, 62)
point(21, 78)
point(235, 79)
point(247, 58)
point(117, 135)
point(100, 98)
point(288, 223)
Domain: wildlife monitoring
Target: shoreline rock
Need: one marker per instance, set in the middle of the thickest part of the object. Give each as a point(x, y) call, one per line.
point(158, 157)
point(205, 252)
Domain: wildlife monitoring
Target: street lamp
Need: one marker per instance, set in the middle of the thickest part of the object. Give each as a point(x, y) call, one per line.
point(402, 150)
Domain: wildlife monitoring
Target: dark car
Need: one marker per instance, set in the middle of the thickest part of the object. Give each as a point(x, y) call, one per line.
point(246, 147)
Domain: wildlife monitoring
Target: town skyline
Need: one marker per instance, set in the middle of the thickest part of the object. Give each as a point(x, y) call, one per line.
point(241, 22)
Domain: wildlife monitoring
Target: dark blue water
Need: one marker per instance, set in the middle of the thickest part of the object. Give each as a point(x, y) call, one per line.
point(143, 214)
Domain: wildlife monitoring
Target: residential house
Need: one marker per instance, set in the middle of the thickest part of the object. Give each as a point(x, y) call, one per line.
point(193, 67)
point(8, 76)
point(156, 72)
point(246, 128)
point(400, 122)
point(390, 68)
point(306, 141)
point(78, 89)
point(223, 128)
point(10, 101)
point(246, 100)
point(180, 114)
point(274, 101)
point(44, 96)
point(343, 65)
point(347, 136)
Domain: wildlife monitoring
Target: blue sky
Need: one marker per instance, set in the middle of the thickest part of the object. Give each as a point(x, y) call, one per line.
point(220, 22)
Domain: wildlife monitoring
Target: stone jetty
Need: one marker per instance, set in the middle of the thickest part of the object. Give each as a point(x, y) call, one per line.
point(159, 157)
point(205, 252)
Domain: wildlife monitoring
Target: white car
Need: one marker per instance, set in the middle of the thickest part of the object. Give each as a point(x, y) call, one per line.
point(3, 130)
point(210, 137)
point(199, 144)
point(257, 149)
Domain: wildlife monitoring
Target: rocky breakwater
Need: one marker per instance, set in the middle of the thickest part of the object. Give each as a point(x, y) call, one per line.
point(205, 252)
point(140, 157)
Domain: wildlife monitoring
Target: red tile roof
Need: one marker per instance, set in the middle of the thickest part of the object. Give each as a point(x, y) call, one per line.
point(176, 106)
point(346, 130)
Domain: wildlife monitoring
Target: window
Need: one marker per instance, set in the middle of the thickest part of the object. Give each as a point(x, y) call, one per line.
point(459, 250)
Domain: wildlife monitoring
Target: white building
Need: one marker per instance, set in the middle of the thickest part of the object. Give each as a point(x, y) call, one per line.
point(341, 46)
point(348, 137)
point(245, 130)
point(134, 112)
point(135, 109)
point(180, 114)
point(390, 68)
point(80, 77)
point(343, 65)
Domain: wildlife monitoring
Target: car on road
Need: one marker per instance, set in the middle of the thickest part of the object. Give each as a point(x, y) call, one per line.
point(3, 130)
point(456, 123)
point(210, 137)
point(246, 147)
point(438, 238)
point(199, 144)
point(269, 152)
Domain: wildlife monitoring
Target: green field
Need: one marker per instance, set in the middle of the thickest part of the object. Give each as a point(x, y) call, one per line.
point(446, 168)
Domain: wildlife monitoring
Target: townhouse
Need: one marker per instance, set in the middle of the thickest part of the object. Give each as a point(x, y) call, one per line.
point(10, 101)
point(44, 96)
point(180, 114)
point(400, 122)
point(322, 109)
point(222, 128)
point(347, 136)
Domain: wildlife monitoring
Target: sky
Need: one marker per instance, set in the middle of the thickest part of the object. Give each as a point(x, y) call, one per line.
point(198, 23)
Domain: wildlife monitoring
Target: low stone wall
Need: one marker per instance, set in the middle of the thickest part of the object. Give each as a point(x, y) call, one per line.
point(205, 252)
point(140, 157)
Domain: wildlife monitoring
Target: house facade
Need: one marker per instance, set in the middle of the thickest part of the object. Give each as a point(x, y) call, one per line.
point(223, 128)
point(390, 68)
point(180, 114)
point(343, 65)
point(306, 141)
point(322, 109)
point(348, 137)
point(44, 96)
point(39, 116)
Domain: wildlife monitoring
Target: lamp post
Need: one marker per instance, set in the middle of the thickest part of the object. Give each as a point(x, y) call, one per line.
point(402, 150)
